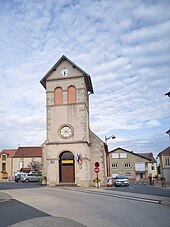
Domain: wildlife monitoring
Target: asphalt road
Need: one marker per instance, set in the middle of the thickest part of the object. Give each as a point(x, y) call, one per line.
point(38, 206)
point(13, 211)
point(142, 188)
point(19, 185)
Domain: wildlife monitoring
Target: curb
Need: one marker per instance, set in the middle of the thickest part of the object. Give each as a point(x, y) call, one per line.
point(4, 196)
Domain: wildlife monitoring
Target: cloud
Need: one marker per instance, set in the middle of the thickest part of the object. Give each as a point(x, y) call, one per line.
point(153, 123)
point(123, 46)
point(147, 144)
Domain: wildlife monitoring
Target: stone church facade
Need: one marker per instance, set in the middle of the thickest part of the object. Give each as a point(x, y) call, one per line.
point(71, 148)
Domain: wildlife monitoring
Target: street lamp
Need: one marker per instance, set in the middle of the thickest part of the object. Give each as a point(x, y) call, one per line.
point(107, 154)
point(110, 137)
point(168, 132)
point(168, 94)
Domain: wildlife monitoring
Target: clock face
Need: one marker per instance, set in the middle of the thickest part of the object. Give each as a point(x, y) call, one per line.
point(64, 72)
point(66, 131)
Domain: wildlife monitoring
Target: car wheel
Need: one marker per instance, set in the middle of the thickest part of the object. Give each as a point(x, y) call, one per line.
point(26, 180)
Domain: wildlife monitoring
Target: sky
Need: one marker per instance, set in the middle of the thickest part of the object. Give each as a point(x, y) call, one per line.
point(123, 45)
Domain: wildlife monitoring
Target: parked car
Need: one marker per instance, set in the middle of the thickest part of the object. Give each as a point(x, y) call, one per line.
point(18, 176)
point(121, 181)
point(30, 177)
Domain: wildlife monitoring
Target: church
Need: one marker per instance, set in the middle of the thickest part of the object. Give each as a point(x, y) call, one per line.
point(71, 149)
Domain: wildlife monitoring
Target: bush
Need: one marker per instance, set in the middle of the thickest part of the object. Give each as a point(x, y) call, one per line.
point(96, 180)
point(43, 178)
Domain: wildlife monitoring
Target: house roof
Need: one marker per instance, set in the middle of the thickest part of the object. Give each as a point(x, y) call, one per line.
point(148, 155)
point(165, 152)
point(137, 154)
point(87, 76)
point(28, 152)
point(9, 152)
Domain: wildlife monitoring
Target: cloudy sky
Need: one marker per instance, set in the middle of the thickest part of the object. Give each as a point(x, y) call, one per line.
point(124, 46)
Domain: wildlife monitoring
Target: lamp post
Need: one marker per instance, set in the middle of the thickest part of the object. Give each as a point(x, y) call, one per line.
point(168, 94)
point(168, 132)
point(107, 154)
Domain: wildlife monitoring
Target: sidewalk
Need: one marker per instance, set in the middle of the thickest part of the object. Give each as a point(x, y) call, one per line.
point(126, 195)
point(164, 200)
point(4, 196)
point(158, 184)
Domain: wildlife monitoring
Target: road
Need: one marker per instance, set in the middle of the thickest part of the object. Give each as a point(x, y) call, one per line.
point(78, 207)
point(143, 188)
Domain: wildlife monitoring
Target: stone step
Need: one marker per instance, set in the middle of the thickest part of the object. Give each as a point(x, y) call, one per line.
point(66, 185)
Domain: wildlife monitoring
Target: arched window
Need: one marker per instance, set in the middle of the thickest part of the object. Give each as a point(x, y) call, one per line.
point(71, 94)
point(66, 155)
point(58, 96)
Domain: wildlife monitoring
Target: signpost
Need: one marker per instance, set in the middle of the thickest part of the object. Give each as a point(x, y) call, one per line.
point(96, 170)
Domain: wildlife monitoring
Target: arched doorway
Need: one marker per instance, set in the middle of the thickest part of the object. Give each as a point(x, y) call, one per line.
point(66, 167)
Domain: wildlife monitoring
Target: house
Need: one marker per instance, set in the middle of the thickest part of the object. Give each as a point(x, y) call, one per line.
point(135, 166)
point(71, 148)
point(164, 157)
point(6, 163)
point(27, 159)
point(152, 165)
point(22, 159)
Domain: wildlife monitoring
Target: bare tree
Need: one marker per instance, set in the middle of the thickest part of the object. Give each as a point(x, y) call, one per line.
point(35, 165)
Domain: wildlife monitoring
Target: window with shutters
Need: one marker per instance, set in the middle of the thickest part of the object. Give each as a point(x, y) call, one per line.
point(4, 157)
point(114, 165)
point(167, 161)
point(115, 155)
point(3, 166)
point(128, 165)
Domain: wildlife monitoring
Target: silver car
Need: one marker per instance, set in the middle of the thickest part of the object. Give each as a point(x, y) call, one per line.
point(18, 176)
point(121, 181)
point(30, 177)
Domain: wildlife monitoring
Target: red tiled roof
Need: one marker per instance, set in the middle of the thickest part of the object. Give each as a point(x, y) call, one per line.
point(165, 152)
point(9, 152)
point(28, 152)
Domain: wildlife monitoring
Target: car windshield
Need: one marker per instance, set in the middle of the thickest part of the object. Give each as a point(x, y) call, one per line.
point(21, 174)
point(121, 177)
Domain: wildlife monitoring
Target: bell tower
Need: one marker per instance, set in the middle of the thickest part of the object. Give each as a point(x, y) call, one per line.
point(67, 124)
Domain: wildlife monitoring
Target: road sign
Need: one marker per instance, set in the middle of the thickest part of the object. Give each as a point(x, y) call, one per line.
point(96, 169)
point(97, 164)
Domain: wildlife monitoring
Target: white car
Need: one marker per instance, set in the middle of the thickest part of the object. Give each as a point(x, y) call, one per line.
point(121, 181)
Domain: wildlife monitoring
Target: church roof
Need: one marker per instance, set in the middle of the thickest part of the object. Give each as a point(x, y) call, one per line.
point(87, 76)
